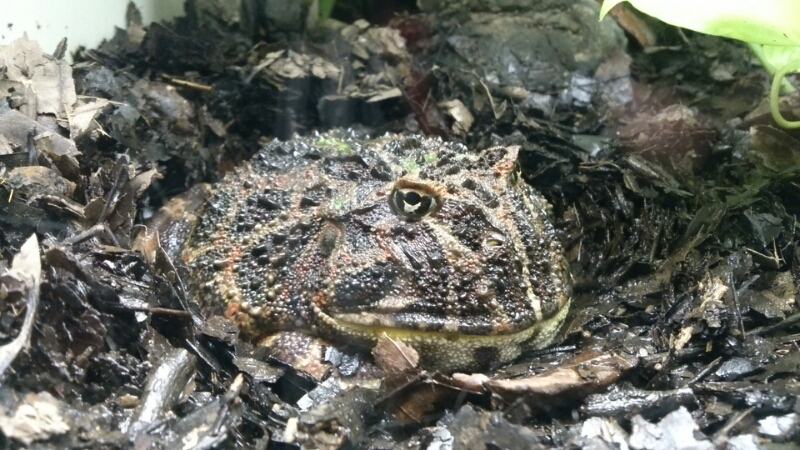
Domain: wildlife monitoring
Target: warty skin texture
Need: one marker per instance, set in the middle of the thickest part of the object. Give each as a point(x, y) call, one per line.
point(444, 249)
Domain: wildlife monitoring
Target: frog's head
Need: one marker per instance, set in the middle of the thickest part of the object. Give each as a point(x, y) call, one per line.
point(447, 250)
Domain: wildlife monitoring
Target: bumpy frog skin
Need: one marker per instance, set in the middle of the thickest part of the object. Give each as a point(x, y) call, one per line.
point(444, 249)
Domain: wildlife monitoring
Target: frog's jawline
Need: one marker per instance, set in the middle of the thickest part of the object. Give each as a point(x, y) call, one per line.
point(455, 350)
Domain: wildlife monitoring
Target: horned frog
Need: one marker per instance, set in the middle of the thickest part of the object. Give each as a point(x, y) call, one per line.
point(446, 250)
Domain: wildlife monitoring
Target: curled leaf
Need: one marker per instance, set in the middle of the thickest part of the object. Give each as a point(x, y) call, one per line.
point(769, 22)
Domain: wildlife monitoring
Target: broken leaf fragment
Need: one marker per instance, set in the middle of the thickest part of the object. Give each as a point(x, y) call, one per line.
point(50, 88)
point(774, 152)
point(394, 356)
point(37, 418)
point(23, 278)
point(462, 118)
point(587, 373)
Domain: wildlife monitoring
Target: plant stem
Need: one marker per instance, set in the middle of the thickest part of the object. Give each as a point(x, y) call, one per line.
point(758, 50)
point(774, 93)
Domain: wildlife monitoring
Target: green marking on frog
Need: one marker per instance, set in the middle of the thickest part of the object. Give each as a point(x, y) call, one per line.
point(341, 146)
point(409, 164)
point(337, 204)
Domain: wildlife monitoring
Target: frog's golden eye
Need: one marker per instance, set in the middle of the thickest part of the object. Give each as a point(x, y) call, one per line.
point(413, 203)
point(494, 241)
point(516, 174)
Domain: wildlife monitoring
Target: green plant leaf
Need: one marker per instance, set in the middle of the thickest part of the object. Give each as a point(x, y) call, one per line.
point(769, 22)
point(325, 9)
point(774, 58)
point(780, 56)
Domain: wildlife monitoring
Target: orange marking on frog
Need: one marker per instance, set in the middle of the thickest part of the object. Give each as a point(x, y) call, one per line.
point(232, 309)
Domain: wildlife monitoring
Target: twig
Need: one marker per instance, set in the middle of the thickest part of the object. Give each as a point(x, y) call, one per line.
point(189, 84)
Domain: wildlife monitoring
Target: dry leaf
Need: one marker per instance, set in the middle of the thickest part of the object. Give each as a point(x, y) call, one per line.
point(23, 278)
point(394, 356)
point(585, 374)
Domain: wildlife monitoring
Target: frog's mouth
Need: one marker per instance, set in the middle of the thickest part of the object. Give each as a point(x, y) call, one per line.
point(415, 322)
point(449, 350)
point(412, 335)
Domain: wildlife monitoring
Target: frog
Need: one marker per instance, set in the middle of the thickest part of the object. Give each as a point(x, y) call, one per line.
point(354, 239)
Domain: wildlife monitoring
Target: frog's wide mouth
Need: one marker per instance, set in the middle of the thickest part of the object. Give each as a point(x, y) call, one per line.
point(411, 336)
point(451, 350)
point(415, 322)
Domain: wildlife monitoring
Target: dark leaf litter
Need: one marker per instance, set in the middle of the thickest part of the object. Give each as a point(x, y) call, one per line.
point(675, 197)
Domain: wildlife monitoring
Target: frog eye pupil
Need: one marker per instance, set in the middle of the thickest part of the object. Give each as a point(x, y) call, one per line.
point(412, 198)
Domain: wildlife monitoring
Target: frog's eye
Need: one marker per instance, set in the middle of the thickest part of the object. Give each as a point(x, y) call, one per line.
point(494, 239)
point(413, 203)
point(516, 174)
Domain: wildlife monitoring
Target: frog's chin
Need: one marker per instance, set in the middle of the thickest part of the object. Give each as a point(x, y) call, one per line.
point(449, 350)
